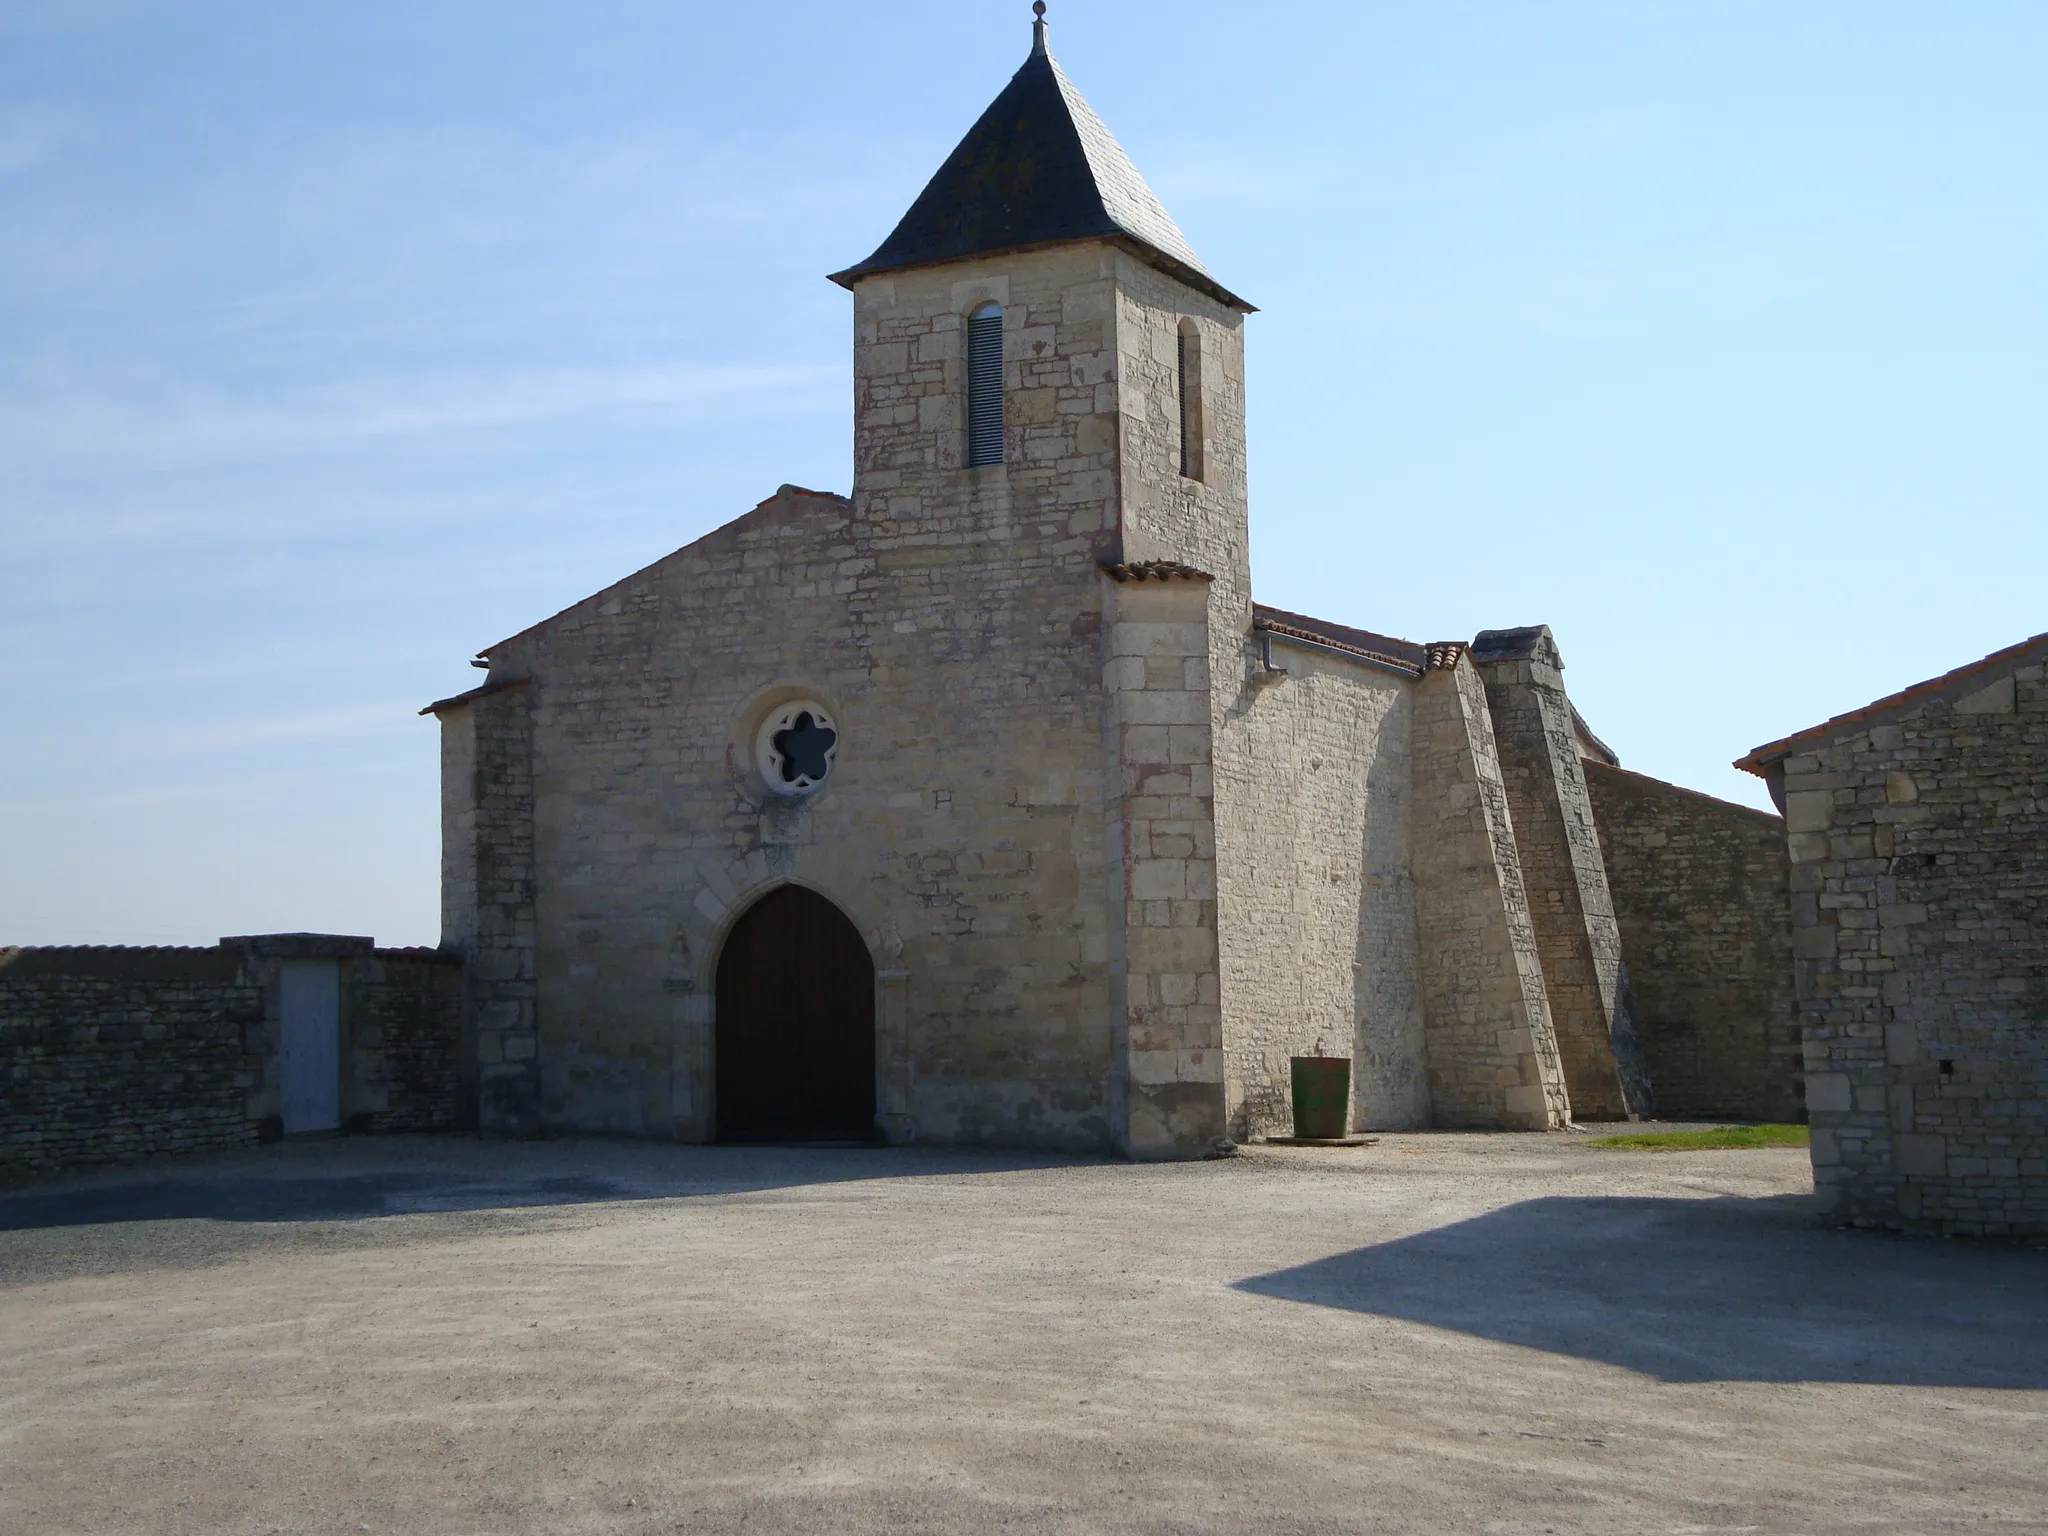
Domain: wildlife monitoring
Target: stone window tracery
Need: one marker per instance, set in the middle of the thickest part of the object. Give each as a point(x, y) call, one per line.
point(796, 746)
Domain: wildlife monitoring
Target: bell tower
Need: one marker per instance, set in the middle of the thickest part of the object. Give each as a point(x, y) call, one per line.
point(1039, 287)
point(1048, 396)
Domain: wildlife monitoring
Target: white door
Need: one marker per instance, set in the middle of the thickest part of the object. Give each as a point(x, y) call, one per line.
point(309, 1007)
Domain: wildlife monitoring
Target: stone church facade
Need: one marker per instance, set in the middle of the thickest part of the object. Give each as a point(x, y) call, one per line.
point(987, 805)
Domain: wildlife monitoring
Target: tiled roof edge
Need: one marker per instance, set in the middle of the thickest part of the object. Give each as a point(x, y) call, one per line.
point(1153, 570)
point(109, 949)
point(387, 952)
point(1138, 248)
point(1386, 650)
point(1759, 759)
point(481, 691)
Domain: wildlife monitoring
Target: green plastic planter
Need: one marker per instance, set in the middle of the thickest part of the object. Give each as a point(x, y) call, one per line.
point(1322, 1096)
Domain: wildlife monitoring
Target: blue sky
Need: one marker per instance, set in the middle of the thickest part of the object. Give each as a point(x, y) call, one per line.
point(338, 342)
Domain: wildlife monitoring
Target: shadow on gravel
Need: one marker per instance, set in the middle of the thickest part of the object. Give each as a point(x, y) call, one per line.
point(1705, 1290)
point(266, 1189)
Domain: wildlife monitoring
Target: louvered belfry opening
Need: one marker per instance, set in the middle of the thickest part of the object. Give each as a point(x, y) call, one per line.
point(985, 385)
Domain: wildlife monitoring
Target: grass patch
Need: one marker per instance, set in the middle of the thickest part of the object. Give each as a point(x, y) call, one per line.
point(1719, 1136)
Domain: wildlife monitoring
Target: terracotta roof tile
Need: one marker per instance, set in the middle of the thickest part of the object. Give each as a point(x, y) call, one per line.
point(1401, 655)
point(1154, 570)
point(1760, 758)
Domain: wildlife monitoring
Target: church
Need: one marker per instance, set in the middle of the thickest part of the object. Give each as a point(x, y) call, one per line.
point(987, 805)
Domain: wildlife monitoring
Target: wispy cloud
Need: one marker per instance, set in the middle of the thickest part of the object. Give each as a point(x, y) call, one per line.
point(288, 728)
point(225, 740)
point(164, 672)
point(184, 428)
point(213, 790)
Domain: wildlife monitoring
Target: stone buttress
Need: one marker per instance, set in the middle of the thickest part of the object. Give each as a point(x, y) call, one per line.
point(1493, 1057)
point(1563, 871)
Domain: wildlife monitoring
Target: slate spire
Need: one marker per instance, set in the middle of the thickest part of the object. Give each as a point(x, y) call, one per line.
point(1039, 168)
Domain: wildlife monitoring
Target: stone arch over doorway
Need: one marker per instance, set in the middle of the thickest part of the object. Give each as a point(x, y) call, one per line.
point(794, 1037)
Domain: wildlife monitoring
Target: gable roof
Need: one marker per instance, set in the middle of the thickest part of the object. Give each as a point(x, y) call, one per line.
point(1958, 683)
point(785, 498)
point(1038, 168)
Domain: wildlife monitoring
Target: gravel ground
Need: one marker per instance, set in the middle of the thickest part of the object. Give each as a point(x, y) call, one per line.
point(1436, 1333)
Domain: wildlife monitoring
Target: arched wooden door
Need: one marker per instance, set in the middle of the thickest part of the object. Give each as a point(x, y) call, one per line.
point(796, 1024)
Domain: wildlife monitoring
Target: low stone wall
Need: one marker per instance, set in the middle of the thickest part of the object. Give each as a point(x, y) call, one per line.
point(108, 1054)
point(1699, 889)
point(402, 1024)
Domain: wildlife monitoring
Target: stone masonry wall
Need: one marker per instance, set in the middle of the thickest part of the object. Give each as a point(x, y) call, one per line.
point(402, 1024)
point(489, 888)
point(1919, 878)
point(950, 619)
point(1163, 514)
point(1204, 522)
point(1564, 873)
point(108, 1054)
point(1493, 1059)
point(1164, 979)
point(1699, 889)
point(1318, 821)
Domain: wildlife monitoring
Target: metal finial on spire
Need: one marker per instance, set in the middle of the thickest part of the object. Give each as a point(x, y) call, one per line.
point(1038, 27)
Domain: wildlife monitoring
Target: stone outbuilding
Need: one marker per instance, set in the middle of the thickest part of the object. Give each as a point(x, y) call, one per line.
point(1918, 835)
point(987, 804)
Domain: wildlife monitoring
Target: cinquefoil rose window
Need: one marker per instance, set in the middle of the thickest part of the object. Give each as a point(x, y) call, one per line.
point(795, 747)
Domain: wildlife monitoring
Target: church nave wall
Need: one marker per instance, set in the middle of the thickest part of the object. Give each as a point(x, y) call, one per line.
point(1318, 921)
